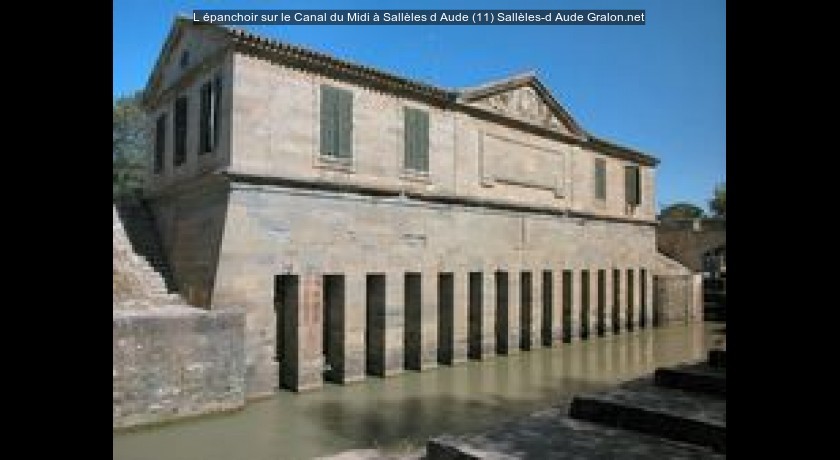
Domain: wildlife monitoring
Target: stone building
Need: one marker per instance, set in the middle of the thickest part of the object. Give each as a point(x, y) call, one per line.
point(369, 223)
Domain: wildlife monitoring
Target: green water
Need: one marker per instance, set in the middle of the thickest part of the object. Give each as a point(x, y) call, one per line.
point(409, 408)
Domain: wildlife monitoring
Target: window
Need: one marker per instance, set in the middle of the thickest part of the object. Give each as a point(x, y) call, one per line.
point(217, 109)
point(209, 115)
point(180, 130)
point(185, 59)
point(205, 127)
point(632, 185)
point(160, 143)
point(336, 123)
point(416, 140)
point(600, 179)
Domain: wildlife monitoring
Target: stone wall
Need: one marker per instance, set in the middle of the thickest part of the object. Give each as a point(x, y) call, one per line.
point(677, 298)
point(275, 132)
point(271, 230)
point(174, 362)
point(686, 240)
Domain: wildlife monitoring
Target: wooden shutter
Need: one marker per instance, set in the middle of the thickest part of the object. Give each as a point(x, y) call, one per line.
point(632, 186)
point(410, 138)
point(329, 130)
point(345, 124)
point(422, 158)
point(600, 179)
point(416, 139)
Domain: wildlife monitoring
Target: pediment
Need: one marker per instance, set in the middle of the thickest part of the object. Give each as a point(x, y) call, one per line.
point(523, 98)
point(186, 46)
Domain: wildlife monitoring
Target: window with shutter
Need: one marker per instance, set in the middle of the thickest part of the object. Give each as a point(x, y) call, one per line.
point(160, 143)
point(180, 131)
point(632, 185)
point(336, 123)
point(600, 179)
point(205, 127)
point(416, 140)
point(217, 106)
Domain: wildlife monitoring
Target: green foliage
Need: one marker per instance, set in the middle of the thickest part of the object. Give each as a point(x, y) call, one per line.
point(718, 202)
point(681, 211)
point(131, 144)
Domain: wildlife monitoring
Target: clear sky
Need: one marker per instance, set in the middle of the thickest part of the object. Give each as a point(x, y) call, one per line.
point(660, 87)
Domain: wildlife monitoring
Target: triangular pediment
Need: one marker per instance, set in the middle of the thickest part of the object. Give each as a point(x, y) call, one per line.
point(196, 40)
point(523, 98)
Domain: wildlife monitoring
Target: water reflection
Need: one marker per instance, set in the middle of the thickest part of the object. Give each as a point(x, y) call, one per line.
point(415, 406)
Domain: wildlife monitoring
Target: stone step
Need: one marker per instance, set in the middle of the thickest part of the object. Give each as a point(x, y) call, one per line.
point(700, 378)
point(668, 413)
point(139, 226)
point(552, 434)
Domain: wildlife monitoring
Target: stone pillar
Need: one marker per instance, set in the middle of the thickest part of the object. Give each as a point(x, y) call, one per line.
point(575, 303)
point(608, 304)
point(631, 296)
point(429, 320)
point(354, 328)
point(502, 309)
point(302, 365)
point(532, 303)
point(412, 336)
point(648, 297)
point(385, 323)
point(585, 298)
point(593, 304)
point(557, 307)
point(546, 307)
point(460, 318)
point(394, 323)
point(488, 314)
point(452, 318)
point(514, 310)
point(620, 295)
point(480, 287)
point(637, 298)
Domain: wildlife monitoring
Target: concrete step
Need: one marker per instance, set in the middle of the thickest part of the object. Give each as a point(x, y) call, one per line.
point(700, 378)
point(668, 413)
point(552, 434)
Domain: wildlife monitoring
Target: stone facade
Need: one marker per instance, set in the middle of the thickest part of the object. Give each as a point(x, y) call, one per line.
point(364, 267)
point(173, 362)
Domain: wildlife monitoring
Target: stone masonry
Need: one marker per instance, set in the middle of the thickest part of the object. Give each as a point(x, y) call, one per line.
point(356, 266)
point(170, 360)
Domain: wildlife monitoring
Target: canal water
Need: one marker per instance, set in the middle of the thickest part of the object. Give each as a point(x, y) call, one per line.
point(405, 410)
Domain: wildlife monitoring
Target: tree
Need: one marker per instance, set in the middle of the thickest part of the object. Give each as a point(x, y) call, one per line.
point(718, 202)
point(681, 211)
point(131, 144)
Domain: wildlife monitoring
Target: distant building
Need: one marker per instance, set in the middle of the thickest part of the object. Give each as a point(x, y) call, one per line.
point(369, 223)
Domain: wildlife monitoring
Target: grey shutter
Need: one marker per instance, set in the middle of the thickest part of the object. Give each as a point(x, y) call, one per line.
point(416, 139)
point(600, 178)
point(422, 157)
point(631, 184)
point(410, 138)
point(345, 124)
point(328, 119)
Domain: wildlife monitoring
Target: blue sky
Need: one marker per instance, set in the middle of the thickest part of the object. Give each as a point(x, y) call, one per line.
point(660, 87)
